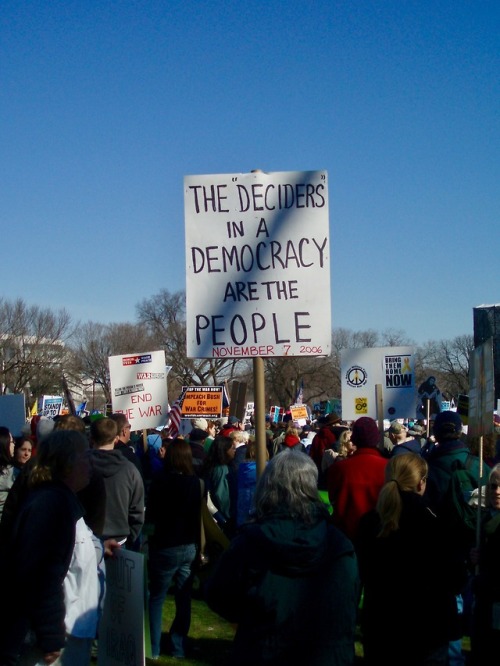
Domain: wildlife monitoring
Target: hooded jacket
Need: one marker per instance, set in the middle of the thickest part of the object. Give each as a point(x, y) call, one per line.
point(38, 552)
point(293, 590)
point(442, 459)
point(124, 515)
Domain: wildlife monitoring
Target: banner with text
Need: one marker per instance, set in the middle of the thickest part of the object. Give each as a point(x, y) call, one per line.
point(139, 388)
point(299, 414)
point(202, 401)
point(392, 368)
point(50, 405)
point(257, 265)
point(122, 640)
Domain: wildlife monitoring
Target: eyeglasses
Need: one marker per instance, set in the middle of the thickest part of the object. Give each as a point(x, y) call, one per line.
point(493, 485)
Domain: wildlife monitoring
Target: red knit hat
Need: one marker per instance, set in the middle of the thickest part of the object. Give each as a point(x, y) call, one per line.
point(365, 432)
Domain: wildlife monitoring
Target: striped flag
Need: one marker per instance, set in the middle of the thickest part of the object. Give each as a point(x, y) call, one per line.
point(225, 397)
point(174, 419)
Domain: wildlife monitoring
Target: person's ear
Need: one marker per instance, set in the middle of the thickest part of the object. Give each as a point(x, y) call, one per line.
point(421, 485)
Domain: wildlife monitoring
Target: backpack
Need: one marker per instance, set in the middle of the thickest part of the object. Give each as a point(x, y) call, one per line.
point(458, 514)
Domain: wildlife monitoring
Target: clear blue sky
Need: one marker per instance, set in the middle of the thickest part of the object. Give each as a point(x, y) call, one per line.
point(106, 106)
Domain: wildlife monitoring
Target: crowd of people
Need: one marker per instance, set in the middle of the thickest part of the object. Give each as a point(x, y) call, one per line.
point(346, 527)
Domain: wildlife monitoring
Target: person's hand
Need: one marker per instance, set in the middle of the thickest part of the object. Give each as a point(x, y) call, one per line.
point(110, 547)
point(50, 657)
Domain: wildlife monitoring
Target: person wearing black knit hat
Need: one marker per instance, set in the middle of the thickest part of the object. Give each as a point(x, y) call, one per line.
point(450, 452)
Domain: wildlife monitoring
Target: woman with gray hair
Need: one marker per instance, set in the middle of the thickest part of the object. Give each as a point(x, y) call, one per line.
point(289, 580)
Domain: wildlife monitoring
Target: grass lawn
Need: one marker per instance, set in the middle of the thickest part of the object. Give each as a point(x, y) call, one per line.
point(209, 640)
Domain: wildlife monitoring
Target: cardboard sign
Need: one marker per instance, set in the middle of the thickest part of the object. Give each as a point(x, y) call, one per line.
point(482, 390)
point(276, 413)
point(13, 412)
point(139, 388)
point(299, 413)
point(50, 405)
point(257, 265)
point(121, 629)
point(202, 401)
point(392, 368)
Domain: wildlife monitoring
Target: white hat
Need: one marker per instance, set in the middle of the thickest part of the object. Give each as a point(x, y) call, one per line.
point(44, 427)
point(200, 423)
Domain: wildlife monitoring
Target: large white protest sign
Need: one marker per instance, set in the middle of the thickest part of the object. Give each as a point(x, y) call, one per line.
point(257, 265)
point(121, 629)
point(139, 388)
point(390, 367)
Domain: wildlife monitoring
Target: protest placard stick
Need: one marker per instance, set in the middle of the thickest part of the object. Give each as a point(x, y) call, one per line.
point(479, 499)
point(379, 400)
point(259, 414)
point(428, 417)
point(260, 406)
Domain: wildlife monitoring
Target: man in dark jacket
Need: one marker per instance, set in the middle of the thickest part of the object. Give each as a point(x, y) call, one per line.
point(124, 515)
point(449, 451)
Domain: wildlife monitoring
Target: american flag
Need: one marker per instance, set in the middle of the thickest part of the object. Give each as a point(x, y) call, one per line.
point(174, 419)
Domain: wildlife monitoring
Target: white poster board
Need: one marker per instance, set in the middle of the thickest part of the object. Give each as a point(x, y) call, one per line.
point(50, 405)
point(257, 265)
point(139, 388)
point(13, 412)
point(121, 629)
point(392, 368)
